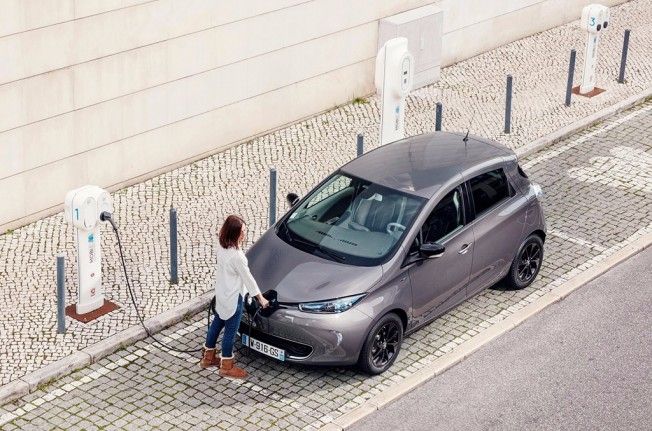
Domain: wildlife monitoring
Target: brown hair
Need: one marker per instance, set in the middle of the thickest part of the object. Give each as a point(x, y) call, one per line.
point(230, 231)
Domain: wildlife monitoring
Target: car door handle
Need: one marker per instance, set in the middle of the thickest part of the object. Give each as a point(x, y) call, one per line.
point(465, 248)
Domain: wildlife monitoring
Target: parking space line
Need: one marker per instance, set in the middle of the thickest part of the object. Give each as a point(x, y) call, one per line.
point(554, 152)
point(578, 241)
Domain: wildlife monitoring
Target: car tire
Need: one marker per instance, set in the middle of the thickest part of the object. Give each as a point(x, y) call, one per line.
point(382, 345)
point(526, 264)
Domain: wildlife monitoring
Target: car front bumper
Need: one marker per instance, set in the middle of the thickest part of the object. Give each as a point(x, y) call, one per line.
point(312, 338)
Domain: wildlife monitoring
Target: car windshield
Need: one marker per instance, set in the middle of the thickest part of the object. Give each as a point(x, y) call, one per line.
point(351, 220)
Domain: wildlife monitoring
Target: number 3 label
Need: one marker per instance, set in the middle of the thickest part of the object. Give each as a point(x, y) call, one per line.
point(592, 21)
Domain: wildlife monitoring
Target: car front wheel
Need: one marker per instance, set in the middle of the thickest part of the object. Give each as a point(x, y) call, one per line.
point(526, 264)
point(382, 345)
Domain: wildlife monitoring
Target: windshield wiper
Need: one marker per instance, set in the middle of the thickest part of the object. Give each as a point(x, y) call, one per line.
point(292, 238)
point(331, 253)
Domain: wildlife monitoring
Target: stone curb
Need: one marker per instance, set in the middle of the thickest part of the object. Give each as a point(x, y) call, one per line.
point(22, 386)
point(465, 349)
point(583, 123)
point(91, 354)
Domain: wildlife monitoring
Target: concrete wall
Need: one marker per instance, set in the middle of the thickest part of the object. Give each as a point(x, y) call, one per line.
point(472, 27)
point(137, 87)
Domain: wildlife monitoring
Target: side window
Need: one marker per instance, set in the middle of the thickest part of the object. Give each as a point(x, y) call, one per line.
point(488, 189)
point(447, 217)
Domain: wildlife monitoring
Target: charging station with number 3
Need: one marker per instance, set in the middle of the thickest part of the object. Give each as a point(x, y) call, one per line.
point(594, 20)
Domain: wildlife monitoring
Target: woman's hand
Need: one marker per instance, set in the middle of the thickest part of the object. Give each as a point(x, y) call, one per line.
point(264, 303)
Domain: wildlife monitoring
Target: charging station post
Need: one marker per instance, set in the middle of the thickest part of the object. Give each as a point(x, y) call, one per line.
point(393, 80)
point(83, 207)
point(594, 20)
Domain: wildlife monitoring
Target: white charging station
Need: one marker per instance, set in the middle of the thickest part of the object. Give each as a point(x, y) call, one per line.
point(595, 19)
point(83, 207)
point(394, 77)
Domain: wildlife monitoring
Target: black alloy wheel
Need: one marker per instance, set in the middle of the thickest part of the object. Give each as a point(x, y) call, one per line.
point(526, 264)
point(529, 262)
point(382, 345)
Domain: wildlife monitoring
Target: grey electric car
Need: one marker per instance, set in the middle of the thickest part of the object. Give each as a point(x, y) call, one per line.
point(389, 242)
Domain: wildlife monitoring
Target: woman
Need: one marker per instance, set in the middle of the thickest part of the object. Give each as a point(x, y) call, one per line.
point(232, 280)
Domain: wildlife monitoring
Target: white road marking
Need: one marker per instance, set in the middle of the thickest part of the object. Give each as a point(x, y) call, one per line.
point(562, 148)
point(628, 168)
point(578, 241)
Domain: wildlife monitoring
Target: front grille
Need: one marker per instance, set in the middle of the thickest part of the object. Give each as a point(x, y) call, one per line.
point(292, 348)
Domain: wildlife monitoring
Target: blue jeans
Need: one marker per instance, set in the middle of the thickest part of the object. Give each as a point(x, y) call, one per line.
point(230, 326)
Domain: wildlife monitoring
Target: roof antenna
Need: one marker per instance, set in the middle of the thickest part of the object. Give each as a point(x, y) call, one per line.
point(468, 129)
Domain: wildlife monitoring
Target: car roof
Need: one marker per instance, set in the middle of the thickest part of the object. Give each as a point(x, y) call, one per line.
point(422, 164)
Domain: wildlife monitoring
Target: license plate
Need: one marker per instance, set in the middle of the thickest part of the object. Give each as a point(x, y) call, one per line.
point(263, 348)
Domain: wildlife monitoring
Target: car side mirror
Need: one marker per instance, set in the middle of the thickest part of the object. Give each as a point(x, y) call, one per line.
point(432, 249)
point(292, 199)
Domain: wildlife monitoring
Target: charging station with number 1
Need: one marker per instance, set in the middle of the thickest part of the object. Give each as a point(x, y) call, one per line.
point(83, 207)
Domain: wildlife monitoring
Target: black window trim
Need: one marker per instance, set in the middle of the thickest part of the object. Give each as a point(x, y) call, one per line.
point(454, 233)
point(469, 193)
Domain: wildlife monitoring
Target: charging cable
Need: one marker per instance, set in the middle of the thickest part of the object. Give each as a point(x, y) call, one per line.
point(106, 216)
point(252, 321)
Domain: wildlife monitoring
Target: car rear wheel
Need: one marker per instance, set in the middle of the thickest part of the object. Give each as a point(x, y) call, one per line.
point(526, 264)
point(382, 345)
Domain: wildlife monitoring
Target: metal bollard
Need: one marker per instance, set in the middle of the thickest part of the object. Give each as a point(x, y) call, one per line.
point(272, 196)
point(623, 57)
point(508, 105)
point(61, 294)
point(571, 74)
point(360, 142)
point(174, 264)
point(438, 112)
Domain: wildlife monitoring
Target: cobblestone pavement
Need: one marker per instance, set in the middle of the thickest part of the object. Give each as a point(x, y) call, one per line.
point(597, 199)
point(236, 181)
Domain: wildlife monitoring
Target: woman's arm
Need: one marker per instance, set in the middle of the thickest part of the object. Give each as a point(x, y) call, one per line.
point(243, 271)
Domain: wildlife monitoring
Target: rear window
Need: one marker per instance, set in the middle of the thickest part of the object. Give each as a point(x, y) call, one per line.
point(489, 189)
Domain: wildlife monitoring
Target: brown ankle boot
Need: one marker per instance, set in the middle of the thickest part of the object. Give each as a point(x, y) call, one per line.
point(228, 369)
point(209, 359)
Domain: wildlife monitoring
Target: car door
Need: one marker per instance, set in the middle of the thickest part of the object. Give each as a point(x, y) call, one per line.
point(439, 282)
point(498, 227)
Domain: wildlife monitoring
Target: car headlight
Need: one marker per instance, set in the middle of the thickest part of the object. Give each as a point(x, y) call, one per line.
point(332, 305)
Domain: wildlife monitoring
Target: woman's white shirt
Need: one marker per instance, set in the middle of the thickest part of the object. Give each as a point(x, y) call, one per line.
point(232, 279)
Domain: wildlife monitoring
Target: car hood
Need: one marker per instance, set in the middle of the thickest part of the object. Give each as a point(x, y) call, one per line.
point(298, 276)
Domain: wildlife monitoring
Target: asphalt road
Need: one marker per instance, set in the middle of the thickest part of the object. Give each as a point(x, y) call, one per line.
point(583, 363)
